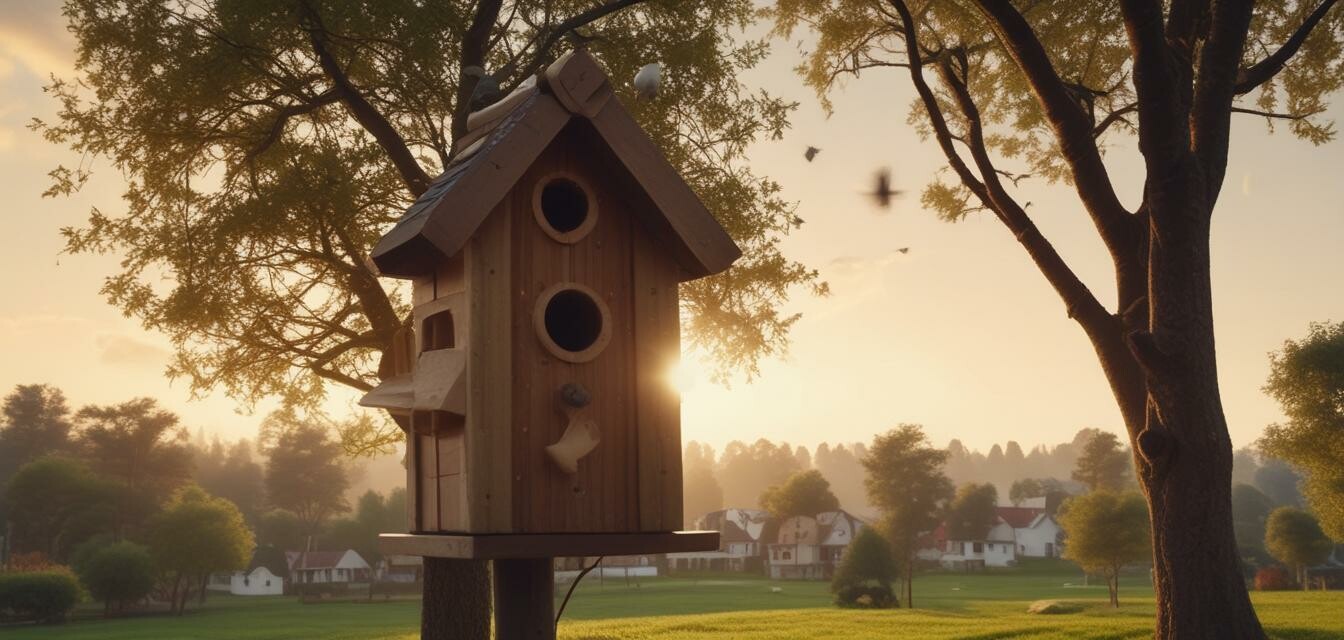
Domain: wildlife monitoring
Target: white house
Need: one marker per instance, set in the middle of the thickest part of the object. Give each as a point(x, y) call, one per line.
point(740, 544)
point(811, 548)
point(1035, 531)
point(316, 567)
point(259, 581)
point(1017, 532)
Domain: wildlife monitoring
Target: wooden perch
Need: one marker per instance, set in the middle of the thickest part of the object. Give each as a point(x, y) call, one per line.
point(579, 440)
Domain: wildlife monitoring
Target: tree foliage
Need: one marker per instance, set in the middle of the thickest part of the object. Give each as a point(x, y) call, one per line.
point(1046, 89)
point(906, 483)
point(304, 474)
point(1104, 464)
point(55, 503)
point(867, 569)
point(1250, 512)
point(746, 471)
point(268, 145)
point(805, 493)
point(195, 535)
point(1307, 378)
point(1294, 537)
point(35, 423)
point(138, 444)
point(1106, 531)
point(119, 574)
point(971, 513)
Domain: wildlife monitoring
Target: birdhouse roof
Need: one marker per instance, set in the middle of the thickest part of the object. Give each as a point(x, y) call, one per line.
point(504, 139)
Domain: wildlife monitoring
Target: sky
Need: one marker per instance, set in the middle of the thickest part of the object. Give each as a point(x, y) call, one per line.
point(960, 334)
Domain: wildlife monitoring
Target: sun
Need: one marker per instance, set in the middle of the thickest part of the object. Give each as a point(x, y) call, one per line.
point(683, 375)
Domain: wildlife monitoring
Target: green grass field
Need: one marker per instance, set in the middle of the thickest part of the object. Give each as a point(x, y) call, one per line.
point(984, 606)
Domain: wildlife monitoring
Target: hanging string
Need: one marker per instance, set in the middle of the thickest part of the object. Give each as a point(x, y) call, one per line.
point(572, 585)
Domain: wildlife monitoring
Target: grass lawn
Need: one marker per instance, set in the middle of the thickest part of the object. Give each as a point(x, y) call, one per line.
point(989, 605)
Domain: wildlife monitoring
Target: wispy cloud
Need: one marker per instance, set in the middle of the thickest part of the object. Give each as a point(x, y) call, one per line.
point(33, 34)
point(123, 350)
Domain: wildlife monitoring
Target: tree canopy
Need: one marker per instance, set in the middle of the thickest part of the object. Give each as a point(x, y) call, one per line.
point(1106, 531)
point(267, 146)
point(971, 513)
point(304, 472)
point(905, 482)
point(805, 493)
point(1307, 378)
point(1294, 537)
point(867, 569)
point(137, 443)
point(119, 574)
point(35, 422)
point(195, 535)
point(55, 503)
point(1104, 464)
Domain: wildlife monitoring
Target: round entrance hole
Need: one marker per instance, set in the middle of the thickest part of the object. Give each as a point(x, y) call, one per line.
point(572, 322)
point(564, 207)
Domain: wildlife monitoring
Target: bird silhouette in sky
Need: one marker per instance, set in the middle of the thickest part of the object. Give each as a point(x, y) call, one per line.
point(811, 153)
point(882, 191)
point(904, 250)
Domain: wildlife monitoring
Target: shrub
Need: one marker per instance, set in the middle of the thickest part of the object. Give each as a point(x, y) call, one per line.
point(1053, 607)
point(44, 596)
point(118, 574)
point(868, 595)
point(1274, 579)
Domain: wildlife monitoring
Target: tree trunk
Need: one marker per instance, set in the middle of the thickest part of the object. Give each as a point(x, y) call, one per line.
point(1184, 451)
point(456, 604)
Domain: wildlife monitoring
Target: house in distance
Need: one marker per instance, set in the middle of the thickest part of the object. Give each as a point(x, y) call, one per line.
point(544, 265)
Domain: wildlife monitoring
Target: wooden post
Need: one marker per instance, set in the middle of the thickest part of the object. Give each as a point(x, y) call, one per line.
point(525, 599)
point(456, 604)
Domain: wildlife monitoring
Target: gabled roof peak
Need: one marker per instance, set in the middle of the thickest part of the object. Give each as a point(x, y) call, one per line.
point(504, 139)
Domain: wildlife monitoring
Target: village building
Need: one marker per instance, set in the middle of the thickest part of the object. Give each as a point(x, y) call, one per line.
point(740, 545)
point(810, 548)
point(1018, 532)
point(318, 567)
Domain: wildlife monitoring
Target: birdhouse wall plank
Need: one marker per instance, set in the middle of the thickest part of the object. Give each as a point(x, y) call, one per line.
point(488, 433)
point(602, 495)
point(658, 419)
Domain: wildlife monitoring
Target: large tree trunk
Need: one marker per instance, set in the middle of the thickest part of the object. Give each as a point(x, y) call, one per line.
point(456, 603)
point(1184, 451)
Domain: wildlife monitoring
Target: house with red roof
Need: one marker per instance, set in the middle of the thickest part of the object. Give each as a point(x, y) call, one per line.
point(1018, 532)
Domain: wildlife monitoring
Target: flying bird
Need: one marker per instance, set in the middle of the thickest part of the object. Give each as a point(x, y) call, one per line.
point(486, 92)
point(904, 250)
point(811, 153)
point(648, 79)
point(883, 192)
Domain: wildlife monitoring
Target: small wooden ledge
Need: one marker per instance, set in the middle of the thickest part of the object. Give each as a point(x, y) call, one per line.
point(544, 545)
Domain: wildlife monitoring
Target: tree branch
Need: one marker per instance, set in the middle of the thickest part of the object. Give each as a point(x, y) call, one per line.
point(282, 116)
point(1215, 88)
point(1162, 110)
point(368, 116)
point(1279, 116)
point(1073, 127)
point(474, 43)
point(553, 36)
point(1261, 72)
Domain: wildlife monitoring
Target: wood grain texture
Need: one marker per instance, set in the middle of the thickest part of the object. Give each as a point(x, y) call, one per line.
point(495, 546)
point(490, 420)
point(602, 495)
point(658, 407)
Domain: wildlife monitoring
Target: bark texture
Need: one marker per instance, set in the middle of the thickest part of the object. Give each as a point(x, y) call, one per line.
point(456, 603)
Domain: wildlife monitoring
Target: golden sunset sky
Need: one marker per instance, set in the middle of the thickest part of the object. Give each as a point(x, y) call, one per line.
point(961, 334)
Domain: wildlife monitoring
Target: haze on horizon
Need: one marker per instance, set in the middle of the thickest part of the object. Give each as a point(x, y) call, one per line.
point(961, 334)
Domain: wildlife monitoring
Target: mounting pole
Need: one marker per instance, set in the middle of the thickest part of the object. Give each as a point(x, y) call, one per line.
point(524, 599)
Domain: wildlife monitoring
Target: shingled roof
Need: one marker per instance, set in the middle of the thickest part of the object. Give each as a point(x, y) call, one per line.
point(504, 139)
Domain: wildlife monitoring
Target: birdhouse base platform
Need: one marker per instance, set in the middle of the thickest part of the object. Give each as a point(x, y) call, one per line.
point(507, 546)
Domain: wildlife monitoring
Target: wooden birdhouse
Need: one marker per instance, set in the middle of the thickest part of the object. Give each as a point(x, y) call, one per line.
point(545, 263)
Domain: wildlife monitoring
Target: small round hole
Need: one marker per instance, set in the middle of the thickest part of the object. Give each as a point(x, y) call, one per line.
point(573, 320)
point(564, 205)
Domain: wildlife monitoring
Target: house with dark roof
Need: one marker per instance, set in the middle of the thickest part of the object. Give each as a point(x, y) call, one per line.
point(740, 542)
point(810, 548)
point(1018, 532)
point(315, 567)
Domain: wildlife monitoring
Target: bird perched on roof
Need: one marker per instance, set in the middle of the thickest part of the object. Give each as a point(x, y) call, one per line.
point(486, 92)
point(883, 192)
point(811, 153)
point(647, 81)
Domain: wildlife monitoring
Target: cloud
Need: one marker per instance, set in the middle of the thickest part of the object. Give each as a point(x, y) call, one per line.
point(118, 349)
point(33, 34)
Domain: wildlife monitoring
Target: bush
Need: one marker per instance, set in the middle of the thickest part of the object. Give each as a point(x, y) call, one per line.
point(870, 595)
point(44, 596)
point(1274, 579)
point(118, 574)
point(1053, 607)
